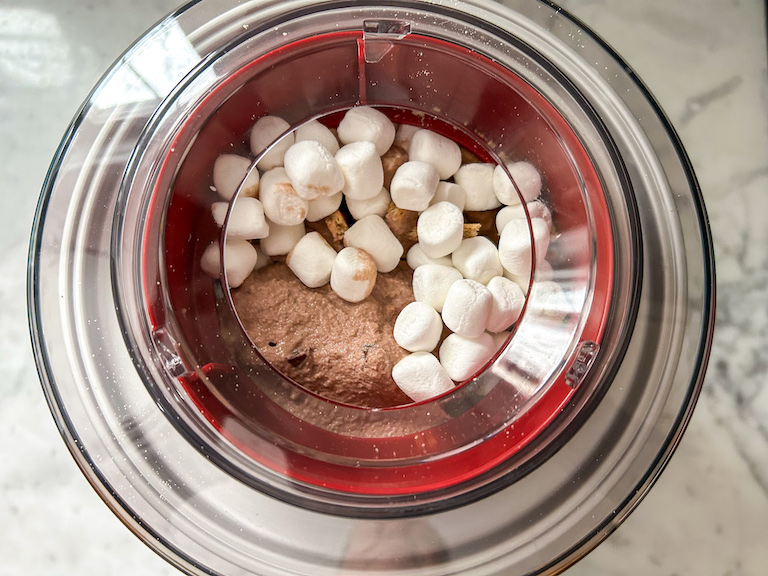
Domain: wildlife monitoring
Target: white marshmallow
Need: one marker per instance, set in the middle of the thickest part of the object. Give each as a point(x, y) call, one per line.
point(431, 283)
point(366, 123)
point(550, 300)
point(544, 271)
point(378, 205)
point(247, 220)
point(515, 250)
point(508, 301)
point(444, 154)
point(413, 185)
point(362, 170)
point(282, 205)
point(404, 134)
point(467, 307)
point(418, 327)
point(314, 173)
point(449, 192)
point(478, 259)
point(527, 178)
point(522, 280)
point(314, 130)
point(374, 236)
point(229, 170)
point(416, 258)
point(440, 229)
point(477, 181)
point(536, 209)
point(312, 260)
point(240, 259)
point(353, 275)
point(281, 239)
point(500, 339)
point(421, 376)
point(266, 130)
point(464, 357)
point(322, 207)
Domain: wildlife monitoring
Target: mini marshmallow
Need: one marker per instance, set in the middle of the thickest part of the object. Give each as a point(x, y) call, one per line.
point(240, 259)
point(362, 170)
point(404, 134)
point(413, 185)
point(366, 123)
point(229, 170)
point(282, 205)
point(467, 307)
point(527, 178)
point(444, 154)
point(508, 301)
point(311, 260)
point(449, 192)
point(314, 173)
point(416, 258)
point(266, 130)
point(500, 339)
point(550, 301)
point(247, 220)
point(418, 327)
point(463, 357)
point(281, 239)
point(515, 250)
point(421, 376)
point(478, 259)
point(322, 207)
point(536, 209)
point(431, 283)
point(353, 275)
point(314, 130)
point(477, 181)
point(440, 229)
point(544, 273)
point(378, 205)
point(374, 236)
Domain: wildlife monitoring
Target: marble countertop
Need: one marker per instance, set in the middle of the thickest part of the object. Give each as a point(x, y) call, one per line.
point(705, 61)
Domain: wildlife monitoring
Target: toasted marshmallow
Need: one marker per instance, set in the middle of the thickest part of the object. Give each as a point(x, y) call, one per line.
point(414, 185)
point(467, 307)
point(240, 259)
point(440, 229)
point(464, 357)
point(266, 130)
point(377, 206)
point(314, 130)
point(536, 209)
point(515, 251)
point(247, 220)
point(431, 283)
point(281, 239)
point(312, 170)
point(449, 192)
point(362, 170)
point(478, 259)
point(282, 205)
point(477, 181)
point(312, 260)
point(416, 258)
point(374, 236)
point(322, 207)
point(508, 301)
point(444, 154)
point(421, 376)
point(527, 178)
point(229, 170)
point(418, 327)
point(404, 134)
point(353, 275)
point(366, 123)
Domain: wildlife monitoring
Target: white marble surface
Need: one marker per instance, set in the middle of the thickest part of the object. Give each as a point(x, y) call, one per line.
point(706, 63)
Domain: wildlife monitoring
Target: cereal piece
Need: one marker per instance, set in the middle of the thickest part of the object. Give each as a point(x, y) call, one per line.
point(266, 130)
point(421, 376)
point(374, 236)
point(312, 260)
point(416, 257)
point(404, 135)
point(281, 239)
point(477, 259)
point(515, 251)
point(314, 173)
point(353, 275)
point(323, 207)
point(282, 205)
point(391, 161)
point(247, 220)
point(377, 205)
point(449, 192)
point(229, 170)
point(440, 229)
point(471, 230)
point(362, 170)
point(444, 154)
point(527, 178)
point(418, 327)
point(508, 301)
point(536, 209)
point(463, 357)
point(366, 123)
point(337, 226)
point(431, 283)
point(467, 307)
point(477, 181)
point(240, 259)
point(413, 185)
point(314, 130)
